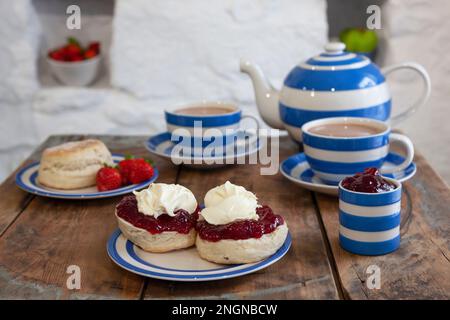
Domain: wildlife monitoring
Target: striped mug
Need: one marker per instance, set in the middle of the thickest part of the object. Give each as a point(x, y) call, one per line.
point(215, 129)
point(332, 158)
point(369, 223)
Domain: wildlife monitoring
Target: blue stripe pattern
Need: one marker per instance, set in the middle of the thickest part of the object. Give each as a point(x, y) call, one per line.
point(298, 117)
point(293, 161)
point(330, 169)
point(296, 169)
point(156, 140)
point(206, 121)
point(370, 224)
point(331, 73)
point(209, 151)
point(203, 142)
point(381, 218)
point(345, 144)
point(189, 275)
point(370, 199)
point(342, 167)
point(245, 144)
point(337, 80)
point(130, 250)
point(314, 62)
point(369, 248)
point(329, 182)
point(325, 54)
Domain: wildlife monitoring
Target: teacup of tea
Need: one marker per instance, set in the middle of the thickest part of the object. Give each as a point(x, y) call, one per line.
point(206, 124)
point(342, 146)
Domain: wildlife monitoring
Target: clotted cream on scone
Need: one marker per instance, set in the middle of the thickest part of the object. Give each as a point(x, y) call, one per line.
point(234, 228)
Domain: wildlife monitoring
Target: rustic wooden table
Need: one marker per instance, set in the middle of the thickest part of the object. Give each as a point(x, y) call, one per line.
point(41, 237)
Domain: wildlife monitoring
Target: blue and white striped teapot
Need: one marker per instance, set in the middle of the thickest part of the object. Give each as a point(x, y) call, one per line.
point(333, 84)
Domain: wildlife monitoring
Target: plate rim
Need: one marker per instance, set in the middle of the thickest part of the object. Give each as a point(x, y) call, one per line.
point(303, 182)
point(326, 187)
point(74, 196)
point(114, 254)
point(130, 247)
point(185, 158)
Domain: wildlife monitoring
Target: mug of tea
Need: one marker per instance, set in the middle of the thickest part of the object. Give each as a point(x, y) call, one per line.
point(205, 124)
point(342, 146)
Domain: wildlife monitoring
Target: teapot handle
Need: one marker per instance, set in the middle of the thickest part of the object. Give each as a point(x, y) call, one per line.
point(425, 95)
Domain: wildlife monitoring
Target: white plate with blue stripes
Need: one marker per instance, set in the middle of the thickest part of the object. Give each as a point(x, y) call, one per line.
point(180, 265)
point(246, 144)
point(297, 169)
point(26, 179)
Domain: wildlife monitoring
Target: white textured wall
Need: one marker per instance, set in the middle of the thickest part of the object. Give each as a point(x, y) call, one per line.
point(191, 51)
point(168, 51)
point(164, 52)
point(19, 38)
point(419, 30)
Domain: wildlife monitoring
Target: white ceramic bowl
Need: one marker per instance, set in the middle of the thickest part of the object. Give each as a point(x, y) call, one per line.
point(77, 73)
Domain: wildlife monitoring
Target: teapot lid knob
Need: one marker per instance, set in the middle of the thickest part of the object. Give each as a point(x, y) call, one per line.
point(334, 47)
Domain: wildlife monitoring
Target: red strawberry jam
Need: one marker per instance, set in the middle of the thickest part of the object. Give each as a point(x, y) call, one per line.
point(241, 229)
point(182, 222)
point(370, 182)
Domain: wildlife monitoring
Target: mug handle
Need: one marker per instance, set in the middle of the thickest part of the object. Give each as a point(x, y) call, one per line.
point(257, 126)
point(409, 148)
point(422, 99)
point(254, 118)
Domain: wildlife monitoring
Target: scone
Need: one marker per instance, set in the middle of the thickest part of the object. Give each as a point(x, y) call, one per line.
point(73, 165)
point(233, 228)
point(161, 218)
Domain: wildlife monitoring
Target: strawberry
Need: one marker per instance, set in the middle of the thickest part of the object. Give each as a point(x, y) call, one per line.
point(73, 51)
point(90, 53)
point(76, 58)
point(108, 179)
point(72, 48)
point(135, 170)
point(56, 55)
point(140, 171)
point(94, 46)
point(124, 168)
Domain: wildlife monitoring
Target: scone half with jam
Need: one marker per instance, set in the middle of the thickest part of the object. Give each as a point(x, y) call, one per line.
point(233, 228)
point(160, 218)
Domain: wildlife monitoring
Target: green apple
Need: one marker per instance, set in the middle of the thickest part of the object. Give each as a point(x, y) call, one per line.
point(359, 39)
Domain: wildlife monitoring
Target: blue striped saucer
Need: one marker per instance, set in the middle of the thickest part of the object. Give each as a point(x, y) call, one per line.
point(26, 179)
point(297, 169)
point(246, 144)
point(180, 265)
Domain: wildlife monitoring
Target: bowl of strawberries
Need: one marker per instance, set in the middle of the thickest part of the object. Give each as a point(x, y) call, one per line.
point(73, 64)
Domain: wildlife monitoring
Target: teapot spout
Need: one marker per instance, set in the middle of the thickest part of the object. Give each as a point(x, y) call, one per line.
point(266, 96)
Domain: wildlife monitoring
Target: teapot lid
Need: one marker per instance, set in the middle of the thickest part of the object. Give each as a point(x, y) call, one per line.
point(334, 70)
point(335, 47)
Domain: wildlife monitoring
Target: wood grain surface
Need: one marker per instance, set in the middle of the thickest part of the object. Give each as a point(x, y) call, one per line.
point(51, 234)
point(41, 237)
point(420, 268)
point(304, 273)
